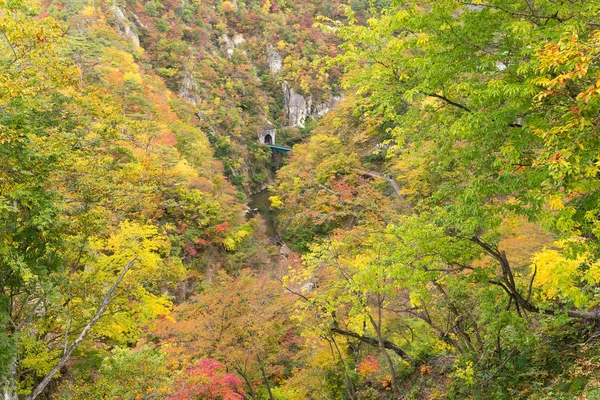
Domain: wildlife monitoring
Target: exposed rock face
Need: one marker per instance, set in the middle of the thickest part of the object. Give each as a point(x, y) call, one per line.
point(298, 107)
point(230, 44)
point(238, 39)
point(295, 107)
point(320, 109)
point(285, 251)
point(274, 59)
point(138, 22)
point(125, 27)
point(188, 88)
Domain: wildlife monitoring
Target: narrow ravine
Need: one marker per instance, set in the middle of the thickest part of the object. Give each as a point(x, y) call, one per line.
point(259, 204)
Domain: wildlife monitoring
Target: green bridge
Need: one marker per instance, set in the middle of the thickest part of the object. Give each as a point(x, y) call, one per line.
point(279, 149)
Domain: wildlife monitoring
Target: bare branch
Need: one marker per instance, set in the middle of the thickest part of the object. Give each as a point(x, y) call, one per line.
point(447, 100)
point(372, 342)
point(84, 332)
point(507, 283)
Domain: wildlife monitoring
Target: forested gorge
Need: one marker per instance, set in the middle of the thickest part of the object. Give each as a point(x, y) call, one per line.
point(437, 219)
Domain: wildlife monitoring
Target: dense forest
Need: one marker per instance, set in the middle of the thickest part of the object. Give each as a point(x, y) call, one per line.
point(433, 234)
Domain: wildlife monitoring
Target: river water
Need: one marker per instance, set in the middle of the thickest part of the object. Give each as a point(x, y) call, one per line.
point(259, 203)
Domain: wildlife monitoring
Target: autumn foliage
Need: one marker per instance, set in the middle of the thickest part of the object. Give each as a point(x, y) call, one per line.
point(437, 231)
point(207, 379)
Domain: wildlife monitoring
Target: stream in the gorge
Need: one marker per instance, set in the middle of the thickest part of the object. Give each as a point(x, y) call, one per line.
point(259, 203)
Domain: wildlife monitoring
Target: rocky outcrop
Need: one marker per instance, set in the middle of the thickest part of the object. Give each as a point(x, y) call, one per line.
point(285, 251)
point(232, 43)
point(320, 109)
point(274, 59)
point(125, 27)
point(238, 39)
point(188, 88)
point(298, 107)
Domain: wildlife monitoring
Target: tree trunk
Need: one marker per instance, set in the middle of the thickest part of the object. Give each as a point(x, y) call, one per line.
point(388, 359)
point(264, 374)
point(347, 381)
point(9, 384)
point(248, 384)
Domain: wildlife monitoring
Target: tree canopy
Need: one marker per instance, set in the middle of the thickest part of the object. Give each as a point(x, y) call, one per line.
point(437, 232)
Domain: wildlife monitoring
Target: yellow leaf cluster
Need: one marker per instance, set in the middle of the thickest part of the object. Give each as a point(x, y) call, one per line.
point(559, 277)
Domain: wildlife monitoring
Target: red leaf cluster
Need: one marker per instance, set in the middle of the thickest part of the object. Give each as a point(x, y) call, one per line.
point(207, 379)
